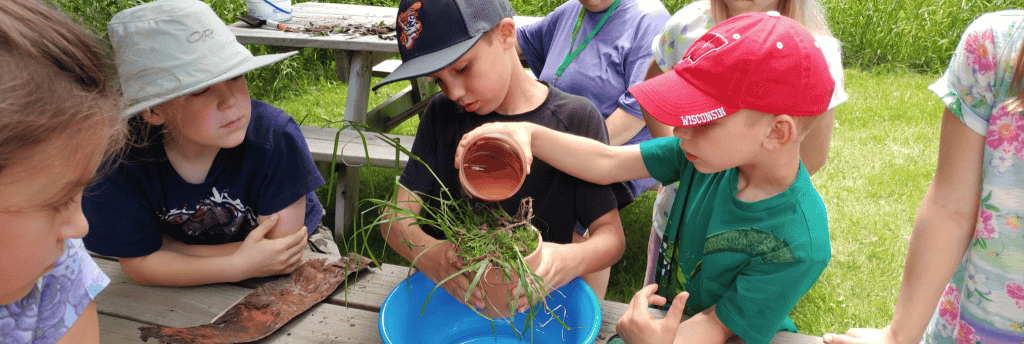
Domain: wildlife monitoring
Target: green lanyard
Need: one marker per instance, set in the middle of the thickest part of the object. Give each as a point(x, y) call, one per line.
point(579, 22)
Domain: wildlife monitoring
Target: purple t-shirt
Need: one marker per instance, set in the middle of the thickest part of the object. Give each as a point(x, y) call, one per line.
point(615, 59)
point(56, 301)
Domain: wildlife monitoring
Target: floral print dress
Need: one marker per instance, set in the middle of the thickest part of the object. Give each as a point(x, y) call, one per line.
point(53, 305)
point(984, 301)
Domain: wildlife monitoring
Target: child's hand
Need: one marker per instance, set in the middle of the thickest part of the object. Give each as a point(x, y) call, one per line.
point(861, 336)
point(261, 257)
point(440, 262)
point(557, 268)
point(521, 132)
point(638, 325)
point(558, 265)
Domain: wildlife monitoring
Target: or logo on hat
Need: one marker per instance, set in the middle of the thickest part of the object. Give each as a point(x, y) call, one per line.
point(710, 42)
point(197, 36)
point(411, 27)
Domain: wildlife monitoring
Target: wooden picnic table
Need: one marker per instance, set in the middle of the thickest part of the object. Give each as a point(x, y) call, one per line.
point(124, 306)
point(355, 54)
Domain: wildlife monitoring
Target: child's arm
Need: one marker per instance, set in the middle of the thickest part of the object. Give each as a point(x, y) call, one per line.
point(257, 256)
point(86, 328)
point(410, 241)
point(290, 219)
point(578, 156)
point(942, 232)
point(703, 327)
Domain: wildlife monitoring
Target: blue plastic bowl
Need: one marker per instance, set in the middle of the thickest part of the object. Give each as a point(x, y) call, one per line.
point(446, 320)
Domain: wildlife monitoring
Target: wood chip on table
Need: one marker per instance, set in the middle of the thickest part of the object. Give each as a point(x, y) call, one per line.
point(269, 306)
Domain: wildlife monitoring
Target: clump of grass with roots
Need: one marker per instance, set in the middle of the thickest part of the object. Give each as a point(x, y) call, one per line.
point(485, 237)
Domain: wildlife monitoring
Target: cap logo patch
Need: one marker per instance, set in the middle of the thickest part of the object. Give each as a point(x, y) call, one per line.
point(200, 35)
point(710, 42)
point(702, 117)
point(411, 26)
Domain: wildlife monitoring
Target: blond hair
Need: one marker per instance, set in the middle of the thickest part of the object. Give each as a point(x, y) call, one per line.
point(808, 13)
point(1016, 104)
point(804, 124)
point(56, 85)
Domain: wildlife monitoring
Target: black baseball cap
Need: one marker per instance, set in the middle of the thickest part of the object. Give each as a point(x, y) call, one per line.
point(434, 34)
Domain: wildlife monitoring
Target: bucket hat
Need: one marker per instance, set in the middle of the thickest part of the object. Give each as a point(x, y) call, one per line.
point(759, 61)
point(434, 34)
point(169, 48)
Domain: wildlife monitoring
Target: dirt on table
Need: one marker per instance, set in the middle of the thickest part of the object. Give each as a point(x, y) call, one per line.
point(268, 307)
point(383, 30)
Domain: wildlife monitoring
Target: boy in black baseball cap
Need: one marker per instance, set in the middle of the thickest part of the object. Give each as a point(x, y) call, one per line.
point(468, 47)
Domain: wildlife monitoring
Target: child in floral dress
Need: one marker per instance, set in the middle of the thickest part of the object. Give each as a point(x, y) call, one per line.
point(58, 119)
point(974, 204)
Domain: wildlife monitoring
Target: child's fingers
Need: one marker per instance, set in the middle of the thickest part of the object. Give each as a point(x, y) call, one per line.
point(638, 305)
point(293, 263)
point(464, 143)
point(528, 153)
point(675, 312)
point(646, 292)
point(263, 228)
point(656, 300)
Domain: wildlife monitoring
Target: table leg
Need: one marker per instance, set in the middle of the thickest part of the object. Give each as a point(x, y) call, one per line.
point(346, 196)
point(358, 65)
point(359, 68)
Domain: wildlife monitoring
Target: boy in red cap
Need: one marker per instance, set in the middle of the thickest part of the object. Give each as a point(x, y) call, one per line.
point(748, 234)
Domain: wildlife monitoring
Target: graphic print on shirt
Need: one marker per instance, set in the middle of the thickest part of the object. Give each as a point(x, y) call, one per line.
point(750, 241)
point(216, 219)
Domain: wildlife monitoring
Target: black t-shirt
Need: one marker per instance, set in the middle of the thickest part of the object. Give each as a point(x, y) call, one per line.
point(130, 208)
point(559, 200)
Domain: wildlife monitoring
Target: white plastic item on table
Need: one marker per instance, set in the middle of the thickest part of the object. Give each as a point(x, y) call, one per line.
point(276, 10)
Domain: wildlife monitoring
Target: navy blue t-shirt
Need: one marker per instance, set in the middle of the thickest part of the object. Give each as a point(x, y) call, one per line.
point(143, 197)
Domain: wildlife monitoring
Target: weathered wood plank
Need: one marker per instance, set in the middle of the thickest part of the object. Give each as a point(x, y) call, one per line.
point(367, 290)
point(165, 306)
point(192, 306)
point(117, 330)
point(350, 147)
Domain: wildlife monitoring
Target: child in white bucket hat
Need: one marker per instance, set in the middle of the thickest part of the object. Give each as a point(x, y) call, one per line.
point(219, 187)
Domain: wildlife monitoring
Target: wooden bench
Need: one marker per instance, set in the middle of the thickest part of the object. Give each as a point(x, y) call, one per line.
point(408, 102)
point(352, 154)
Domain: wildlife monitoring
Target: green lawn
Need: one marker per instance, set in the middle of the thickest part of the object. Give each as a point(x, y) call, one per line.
point(882, 156)
point(881, 161)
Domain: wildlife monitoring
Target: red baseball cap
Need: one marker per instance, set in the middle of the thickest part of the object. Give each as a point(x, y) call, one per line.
point(759, 61)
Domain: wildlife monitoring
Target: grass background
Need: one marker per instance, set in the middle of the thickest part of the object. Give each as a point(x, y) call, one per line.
point(882, 157)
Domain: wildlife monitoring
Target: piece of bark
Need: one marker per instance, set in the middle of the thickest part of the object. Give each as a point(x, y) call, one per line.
point(268, 307)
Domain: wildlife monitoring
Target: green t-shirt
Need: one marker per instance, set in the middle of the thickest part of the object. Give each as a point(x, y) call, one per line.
point(753, 260)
